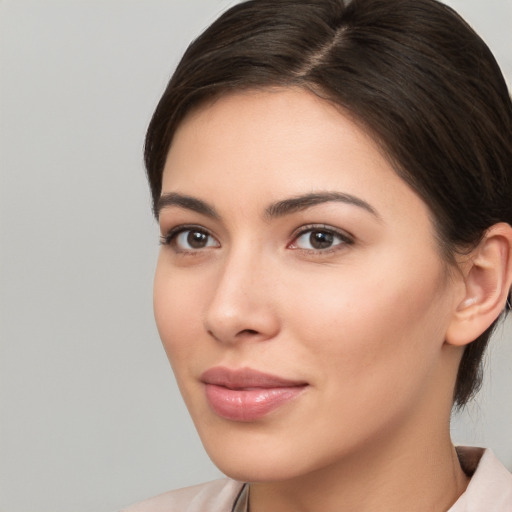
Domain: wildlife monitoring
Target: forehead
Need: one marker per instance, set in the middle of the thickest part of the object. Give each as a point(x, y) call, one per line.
point(280, 141)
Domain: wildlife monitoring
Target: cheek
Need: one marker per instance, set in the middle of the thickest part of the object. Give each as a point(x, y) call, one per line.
point(366, 325)
point(176, 306)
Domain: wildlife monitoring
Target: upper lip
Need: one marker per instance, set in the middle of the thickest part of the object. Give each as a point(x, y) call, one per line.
point(244, 378)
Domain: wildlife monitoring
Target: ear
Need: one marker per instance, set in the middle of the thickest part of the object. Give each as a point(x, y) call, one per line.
point(487, 277)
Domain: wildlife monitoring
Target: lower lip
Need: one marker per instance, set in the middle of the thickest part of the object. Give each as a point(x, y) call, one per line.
point(248, 404)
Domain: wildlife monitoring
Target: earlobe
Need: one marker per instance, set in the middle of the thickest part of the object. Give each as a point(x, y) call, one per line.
point(487, 279)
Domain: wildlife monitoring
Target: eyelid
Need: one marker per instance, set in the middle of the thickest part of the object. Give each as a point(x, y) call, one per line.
point(170, 236)
point(347, 238)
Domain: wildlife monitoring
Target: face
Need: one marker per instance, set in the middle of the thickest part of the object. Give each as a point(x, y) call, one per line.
point(299, 291)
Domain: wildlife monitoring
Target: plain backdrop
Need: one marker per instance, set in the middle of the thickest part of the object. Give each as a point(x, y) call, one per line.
point(90, 418)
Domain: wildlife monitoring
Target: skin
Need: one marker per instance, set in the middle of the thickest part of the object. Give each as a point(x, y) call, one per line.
point(363, 321)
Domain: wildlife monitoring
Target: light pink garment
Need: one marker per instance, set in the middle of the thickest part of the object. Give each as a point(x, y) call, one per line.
point(490, 487)
point(216, 496)
point(490, 490)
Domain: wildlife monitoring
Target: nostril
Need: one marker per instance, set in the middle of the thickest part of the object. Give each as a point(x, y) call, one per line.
point(248, 331)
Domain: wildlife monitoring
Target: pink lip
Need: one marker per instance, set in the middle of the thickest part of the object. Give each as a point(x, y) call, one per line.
point(246, 394)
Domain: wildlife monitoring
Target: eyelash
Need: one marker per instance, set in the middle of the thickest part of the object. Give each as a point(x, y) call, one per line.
point(169, 239)
point(344, 238)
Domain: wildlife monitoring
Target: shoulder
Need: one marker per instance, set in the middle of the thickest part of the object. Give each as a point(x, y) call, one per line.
point(490, 487)
point(216, 496)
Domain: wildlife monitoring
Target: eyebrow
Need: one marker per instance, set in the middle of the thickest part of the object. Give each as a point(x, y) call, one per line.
point(302, 202)
point(278, 209)
point(187, 202)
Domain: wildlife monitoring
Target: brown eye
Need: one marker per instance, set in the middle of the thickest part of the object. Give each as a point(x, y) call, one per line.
point(320, 239)
point(197, 239)
point(192, 239)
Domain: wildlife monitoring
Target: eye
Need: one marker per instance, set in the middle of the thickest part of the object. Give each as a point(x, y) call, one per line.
point(187, 239)
point(320, 238)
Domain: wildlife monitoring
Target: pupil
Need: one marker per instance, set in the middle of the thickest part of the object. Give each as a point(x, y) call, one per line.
point(321, 240)
point(196, 239)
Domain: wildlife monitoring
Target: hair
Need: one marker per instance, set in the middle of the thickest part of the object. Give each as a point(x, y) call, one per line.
point(412, 72)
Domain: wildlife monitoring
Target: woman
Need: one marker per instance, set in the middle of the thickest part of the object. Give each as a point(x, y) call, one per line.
point(333, 184)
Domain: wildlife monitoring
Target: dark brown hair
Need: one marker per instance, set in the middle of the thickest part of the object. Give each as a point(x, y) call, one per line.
point(412, 72)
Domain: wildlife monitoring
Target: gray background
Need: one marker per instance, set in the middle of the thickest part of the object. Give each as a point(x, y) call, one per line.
point(90, 418)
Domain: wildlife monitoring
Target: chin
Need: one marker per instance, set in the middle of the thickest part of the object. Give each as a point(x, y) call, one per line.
point(248, 455)
point(244, 470)
point(244, 454)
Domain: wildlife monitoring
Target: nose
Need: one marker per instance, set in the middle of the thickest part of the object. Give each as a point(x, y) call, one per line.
point(242, 306)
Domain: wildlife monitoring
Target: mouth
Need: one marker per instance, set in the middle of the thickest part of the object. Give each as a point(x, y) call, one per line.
point(247, 395)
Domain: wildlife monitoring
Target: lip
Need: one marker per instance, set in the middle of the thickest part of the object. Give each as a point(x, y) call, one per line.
point(247, 395)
